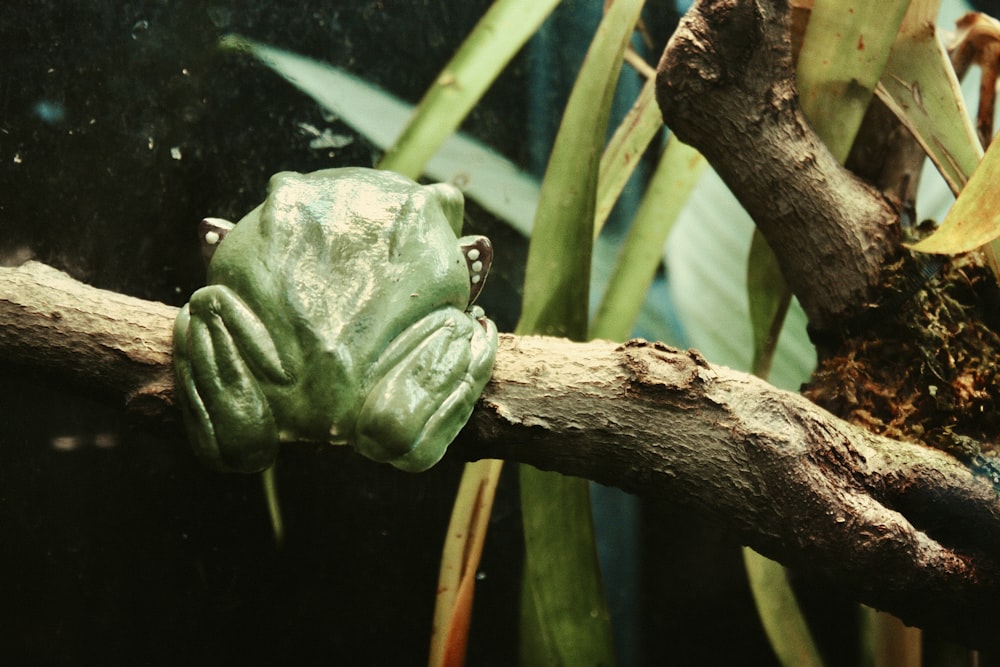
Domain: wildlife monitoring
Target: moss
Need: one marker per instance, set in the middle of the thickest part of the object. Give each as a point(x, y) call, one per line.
point(925, 369)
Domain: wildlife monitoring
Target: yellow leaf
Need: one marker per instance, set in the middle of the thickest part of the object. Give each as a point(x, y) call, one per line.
point(974, 219)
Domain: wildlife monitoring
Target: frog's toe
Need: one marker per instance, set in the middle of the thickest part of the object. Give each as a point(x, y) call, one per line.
point(441, 429)
point(247, 444)
point(482, 345)
point(255, 456)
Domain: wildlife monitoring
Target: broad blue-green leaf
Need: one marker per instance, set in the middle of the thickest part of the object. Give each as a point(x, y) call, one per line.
point(707, 259)
point(495, 182)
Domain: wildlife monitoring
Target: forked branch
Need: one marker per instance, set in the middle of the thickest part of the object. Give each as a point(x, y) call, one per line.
point(903, 527)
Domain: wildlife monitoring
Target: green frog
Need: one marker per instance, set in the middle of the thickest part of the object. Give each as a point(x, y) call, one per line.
point(340, 310)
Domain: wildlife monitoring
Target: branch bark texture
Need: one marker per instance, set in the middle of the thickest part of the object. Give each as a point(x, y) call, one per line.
point(726, 86)
point(903, 527)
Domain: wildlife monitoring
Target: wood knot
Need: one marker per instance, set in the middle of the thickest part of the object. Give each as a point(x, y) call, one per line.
point(660, 366)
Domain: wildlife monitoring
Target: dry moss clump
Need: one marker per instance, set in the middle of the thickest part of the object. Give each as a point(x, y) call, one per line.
point(924, 368)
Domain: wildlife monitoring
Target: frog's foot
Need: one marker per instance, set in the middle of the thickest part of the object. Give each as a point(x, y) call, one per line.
point(423, 399)
point(219, 352)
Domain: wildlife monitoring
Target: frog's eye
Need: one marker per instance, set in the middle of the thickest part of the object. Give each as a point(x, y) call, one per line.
point(478, 253)
point(211, 231)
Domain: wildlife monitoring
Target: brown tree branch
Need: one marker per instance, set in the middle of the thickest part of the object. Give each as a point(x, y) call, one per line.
point(903, 527)
point(726, 85)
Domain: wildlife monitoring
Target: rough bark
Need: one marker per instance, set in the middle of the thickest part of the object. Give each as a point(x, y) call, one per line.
point(726, 85)
point(102, 339)
point(903, 527)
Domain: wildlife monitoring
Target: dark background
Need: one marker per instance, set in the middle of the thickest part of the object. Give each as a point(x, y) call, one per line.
point(121, 125)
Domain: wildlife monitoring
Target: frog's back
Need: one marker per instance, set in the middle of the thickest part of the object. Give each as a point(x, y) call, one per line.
point(314, 232)
point(350, 240)
point(349, 254)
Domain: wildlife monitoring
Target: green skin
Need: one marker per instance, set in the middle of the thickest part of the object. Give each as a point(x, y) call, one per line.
point(337, 311)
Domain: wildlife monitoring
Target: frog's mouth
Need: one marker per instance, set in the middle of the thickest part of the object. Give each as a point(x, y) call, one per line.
point(478, 254)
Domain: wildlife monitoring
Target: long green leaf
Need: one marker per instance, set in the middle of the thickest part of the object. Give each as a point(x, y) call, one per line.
point(777, 607)
point(769, 299)
point(920, 87)
point(558, 265)
point(460, 558)
point(487, 50)
point(498, 36)
point(779, 611)
point(642, 251)
point(625, 150)
point(564, 618)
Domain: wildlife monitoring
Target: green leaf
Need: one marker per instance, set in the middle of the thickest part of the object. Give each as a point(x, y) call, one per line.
point(269, 481)
point(625, 150)
point(564, 618)
point(920, 87)
point(707, 263)
point(676, 174)
point(779, 611)
point(463, 547)
point(769, 298)
point(845, 49)
point(491, 45)
point(557, 274)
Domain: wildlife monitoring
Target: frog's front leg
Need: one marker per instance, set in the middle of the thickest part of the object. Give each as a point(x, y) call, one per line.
point(430, 378)
point(222, 355)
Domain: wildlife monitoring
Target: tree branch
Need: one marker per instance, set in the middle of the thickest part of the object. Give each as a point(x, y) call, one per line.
point(726, 85)
point(902, 527)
